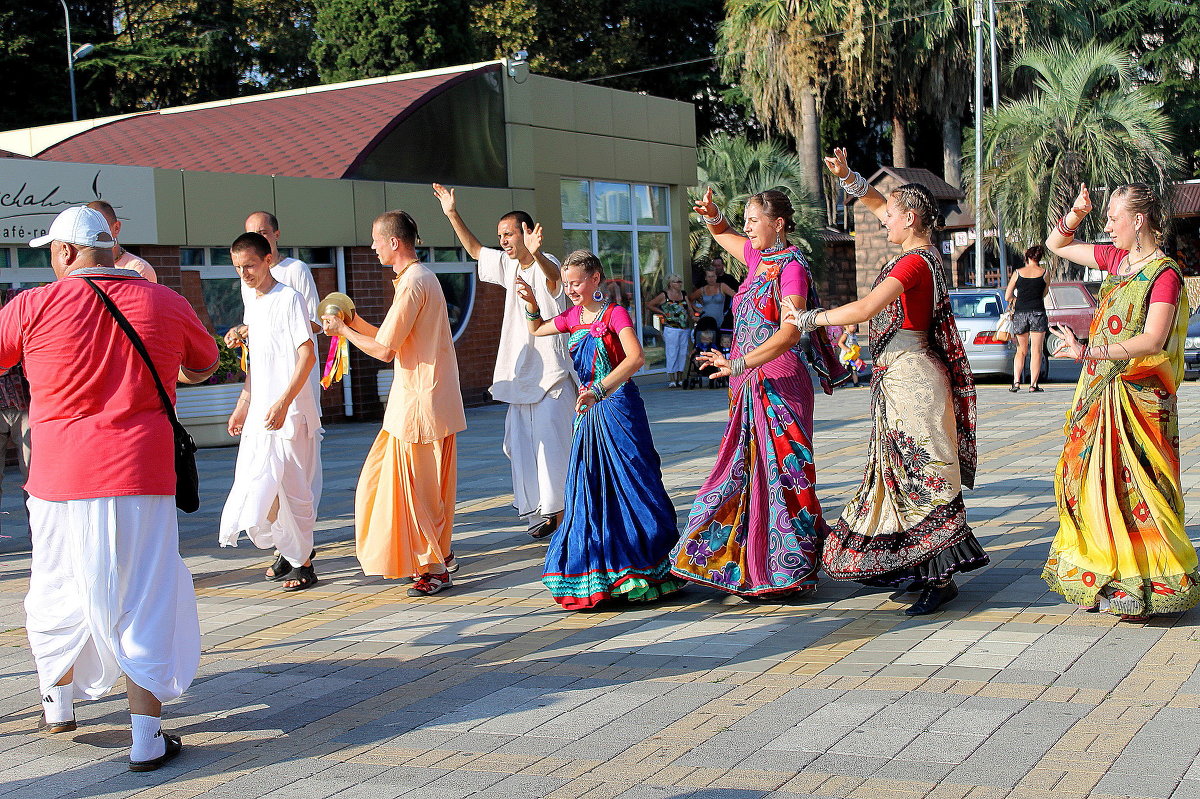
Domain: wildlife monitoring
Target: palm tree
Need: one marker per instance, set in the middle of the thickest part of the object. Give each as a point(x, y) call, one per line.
point(774, 50)
point(1085, 121)
point(736, 168)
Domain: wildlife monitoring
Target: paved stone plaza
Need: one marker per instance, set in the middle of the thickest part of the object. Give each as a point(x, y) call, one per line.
point(352, 689)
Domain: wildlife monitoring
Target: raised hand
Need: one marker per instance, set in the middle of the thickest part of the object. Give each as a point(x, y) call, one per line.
point(585, 400)
point(333, 325)
point(1083, 202)
point(705, 205)
point(525, 292)
point(445, 196)
point(837, 164)
point(532, 237)
point(716, 360)
point(236, 335)
point(1070, 346)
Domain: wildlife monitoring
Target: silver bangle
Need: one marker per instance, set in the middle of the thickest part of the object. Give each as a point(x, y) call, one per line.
point(855, 185)
point(737, 366)
point(714, 220)
point(807, 320)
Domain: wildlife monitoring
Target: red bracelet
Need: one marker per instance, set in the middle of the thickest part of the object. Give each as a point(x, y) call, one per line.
point(1061, 227)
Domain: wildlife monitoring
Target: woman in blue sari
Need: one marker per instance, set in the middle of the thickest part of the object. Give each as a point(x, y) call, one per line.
point(618, 528)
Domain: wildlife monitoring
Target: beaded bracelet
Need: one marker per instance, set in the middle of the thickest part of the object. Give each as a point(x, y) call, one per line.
point(597, 388)
point(855, 185)
point(533, 316)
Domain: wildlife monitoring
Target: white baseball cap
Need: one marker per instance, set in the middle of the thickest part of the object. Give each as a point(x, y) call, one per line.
point(79, 225)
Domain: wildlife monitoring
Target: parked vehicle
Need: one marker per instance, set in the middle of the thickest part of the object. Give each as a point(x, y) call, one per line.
point(1071, 303)
point(976, 313)
point(1191, 348)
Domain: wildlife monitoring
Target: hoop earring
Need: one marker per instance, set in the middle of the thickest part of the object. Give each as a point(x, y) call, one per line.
point(598, 296)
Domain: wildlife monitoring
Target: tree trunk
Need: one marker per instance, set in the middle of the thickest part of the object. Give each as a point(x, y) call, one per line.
point(899, 141)
point(810, 146)
point(952, 150)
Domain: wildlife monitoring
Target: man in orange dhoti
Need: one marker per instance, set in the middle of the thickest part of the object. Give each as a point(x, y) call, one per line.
point(404, 505)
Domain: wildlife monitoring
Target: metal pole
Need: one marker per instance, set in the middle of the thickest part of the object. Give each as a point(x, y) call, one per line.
point(978, 22)
point(1001, 242)
point(70, 61)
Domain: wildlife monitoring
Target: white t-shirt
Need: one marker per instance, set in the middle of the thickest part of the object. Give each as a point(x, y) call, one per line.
point(278, 324)
point(295, 274)
point(527, 366)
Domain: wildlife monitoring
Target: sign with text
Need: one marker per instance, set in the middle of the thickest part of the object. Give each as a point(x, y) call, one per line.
point(33, 192)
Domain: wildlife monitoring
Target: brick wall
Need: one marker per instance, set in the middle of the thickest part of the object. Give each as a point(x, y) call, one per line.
point(839, 285)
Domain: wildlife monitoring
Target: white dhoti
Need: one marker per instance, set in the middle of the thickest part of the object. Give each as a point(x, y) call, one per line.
point(273, 467)
point(537, 441)
point(109, 594)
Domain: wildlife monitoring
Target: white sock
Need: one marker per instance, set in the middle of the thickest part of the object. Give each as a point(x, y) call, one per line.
point(56, 703)
point(148, 742)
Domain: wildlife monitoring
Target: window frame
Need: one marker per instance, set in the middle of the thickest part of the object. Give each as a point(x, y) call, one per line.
point(633, 228)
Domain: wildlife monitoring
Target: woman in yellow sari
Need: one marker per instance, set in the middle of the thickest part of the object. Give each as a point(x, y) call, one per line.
point(1121, 545)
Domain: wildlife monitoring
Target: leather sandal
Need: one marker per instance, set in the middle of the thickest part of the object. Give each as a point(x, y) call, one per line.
point(932, 598)
point(280, 569)
point(305, 577)
point(545, 529)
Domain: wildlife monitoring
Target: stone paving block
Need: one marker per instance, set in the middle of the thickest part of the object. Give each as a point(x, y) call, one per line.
point(1122, 783)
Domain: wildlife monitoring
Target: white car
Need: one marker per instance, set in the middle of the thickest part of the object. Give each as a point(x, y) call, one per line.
point(976, 313)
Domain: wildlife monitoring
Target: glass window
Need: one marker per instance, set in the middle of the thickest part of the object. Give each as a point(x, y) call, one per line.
point(219, 256)
point(33, 257)
point(191, 256)
point(651, 205)
point(576, 205)
point(316, 255)
point(447, 255)
point(654, 255)
point(223, 299)
point(628, 227)
point(612, 203)
point(459, 288)
point(616, 254)
point(5, 257)
point(576, 240)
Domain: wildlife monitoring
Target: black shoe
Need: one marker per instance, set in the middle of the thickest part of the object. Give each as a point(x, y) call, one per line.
point(173, 746)
point(932, 598)
point(1014, 388)
point(1036, 390)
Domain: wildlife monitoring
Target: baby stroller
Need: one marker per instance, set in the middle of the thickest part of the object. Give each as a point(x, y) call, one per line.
point(706, 336)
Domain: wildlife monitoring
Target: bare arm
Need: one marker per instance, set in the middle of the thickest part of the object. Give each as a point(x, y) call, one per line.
point(361, 334)
point(780, 342)
point(1065, 246)
point(1011, 291)
point(188, 376)
point(538, 326)
point(1150, 341)
point(655, 305)
point(722, 232)
point(237, 419)
point(449, 207)
point(862, 310)
point(873, 201)
point(634, 358)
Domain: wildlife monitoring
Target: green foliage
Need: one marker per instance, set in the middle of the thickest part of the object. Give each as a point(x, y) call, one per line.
point(736, 168)
point(368, 38)
point(229, 368)
point(1084, 121)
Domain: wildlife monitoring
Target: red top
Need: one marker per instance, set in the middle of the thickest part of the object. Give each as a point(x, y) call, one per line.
point(98, 425)
point(1167, 286)
point(609, 331)
point(913, 272)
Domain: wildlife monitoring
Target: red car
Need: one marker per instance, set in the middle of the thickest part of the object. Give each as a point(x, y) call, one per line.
point(1071, 303)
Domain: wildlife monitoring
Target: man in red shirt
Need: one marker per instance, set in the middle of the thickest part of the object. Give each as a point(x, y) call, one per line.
point(108, 592)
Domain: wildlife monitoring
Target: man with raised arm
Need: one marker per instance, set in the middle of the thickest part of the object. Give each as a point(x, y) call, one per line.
point(108, 592)
point(533, 375)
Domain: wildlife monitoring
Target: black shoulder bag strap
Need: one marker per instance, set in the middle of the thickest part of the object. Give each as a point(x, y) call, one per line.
point(186, 496)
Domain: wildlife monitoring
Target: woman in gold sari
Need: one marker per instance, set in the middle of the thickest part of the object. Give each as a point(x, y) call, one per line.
point(1121, 545)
